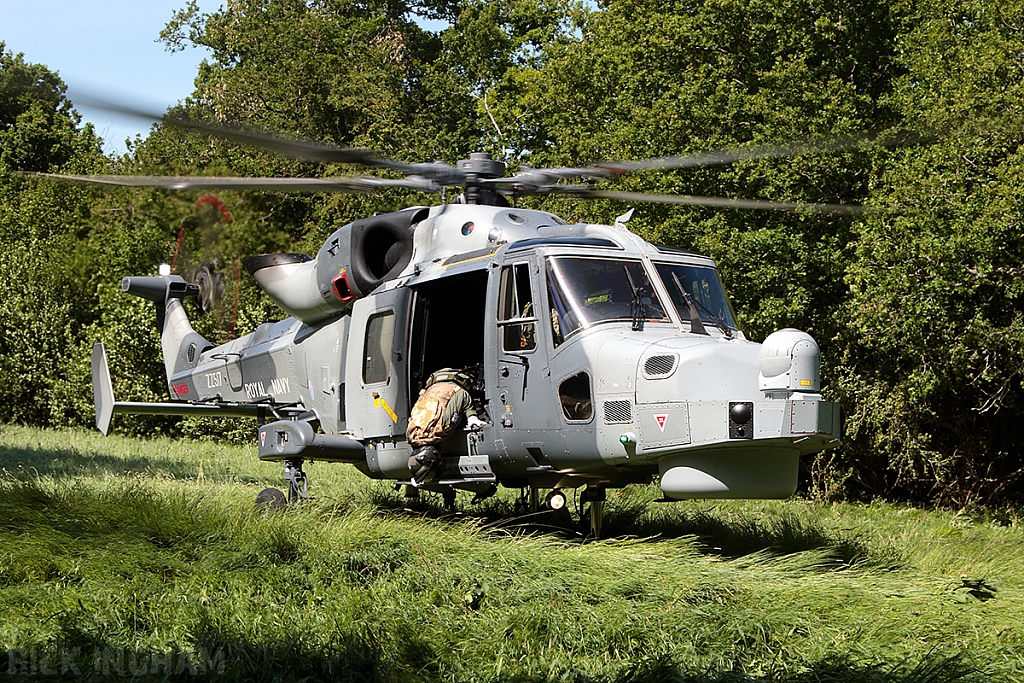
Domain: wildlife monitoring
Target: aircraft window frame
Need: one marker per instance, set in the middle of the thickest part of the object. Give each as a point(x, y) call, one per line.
point(704, 294)
point(517, 322)
point(569, 316)
point(379, 352)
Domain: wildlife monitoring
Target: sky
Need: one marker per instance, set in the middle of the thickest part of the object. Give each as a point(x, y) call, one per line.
point(106, 48)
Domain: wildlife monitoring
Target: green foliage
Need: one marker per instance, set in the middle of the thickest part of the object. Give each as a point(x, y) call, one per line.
point(38, 128)
point(41, 309)
point(932, 356)
point(918, 311)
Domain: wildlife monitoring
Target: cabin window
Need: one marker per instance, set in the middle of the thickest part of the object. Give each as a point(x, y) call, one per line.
point(516, 315)
point(703, 286)
point(380, 334)
point(587, 291)
point(574, 395)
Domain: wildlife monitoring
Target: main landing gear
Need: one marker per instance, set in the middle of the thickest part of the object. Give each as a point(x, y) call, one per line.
point(296, 482)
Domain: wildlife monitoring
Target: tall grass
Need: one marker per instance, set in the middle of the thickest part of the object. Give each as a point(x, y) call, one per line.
point(123, 558)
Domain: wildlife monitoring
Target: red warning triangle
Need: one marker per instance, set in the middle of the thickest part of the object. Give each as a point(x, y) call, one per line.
point(661, 418)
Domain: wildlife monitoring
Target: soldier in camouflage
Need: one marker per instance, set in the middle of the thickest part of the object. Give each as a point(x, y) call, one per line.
point(443, 406)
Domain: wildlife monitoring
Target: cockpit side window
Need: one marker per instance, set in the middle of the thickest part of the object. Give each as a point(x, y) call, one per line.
point(574, 395)
point(586, 291)
point(703, 286)
point(516, 314)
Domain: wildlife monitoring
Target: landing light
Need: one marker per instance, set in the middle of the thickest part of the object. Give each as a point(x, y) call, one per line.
point(555, 500)
point(740, 413)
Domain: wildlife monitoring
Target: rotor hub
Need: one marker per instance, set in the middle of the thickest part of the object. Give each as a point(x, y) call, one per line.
point(481, 165)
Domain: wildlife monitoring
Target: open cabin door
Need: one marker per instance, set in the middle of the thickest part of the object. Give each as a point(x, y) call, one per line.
point(376, 376)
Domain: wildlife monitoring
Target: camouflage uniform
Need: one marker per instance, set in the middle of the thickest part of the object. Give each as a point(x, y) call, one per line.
point(442, 407)
point(429, 423)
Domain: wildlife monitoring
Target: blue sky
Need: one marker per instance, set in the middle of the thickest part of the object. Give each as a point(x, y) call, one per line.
point(106, 47)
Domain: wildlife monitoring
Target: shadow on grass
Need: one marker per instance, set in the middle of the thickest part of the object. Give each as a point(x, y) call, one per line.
point(931, 669)
point(408, 657)
point(72, 462)
point(728, 535)
point(723, 533)
point(739, 534)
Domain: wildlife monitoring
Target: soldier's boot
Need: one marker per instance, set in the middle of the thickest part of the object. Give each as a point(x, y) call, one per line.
point(425, 464)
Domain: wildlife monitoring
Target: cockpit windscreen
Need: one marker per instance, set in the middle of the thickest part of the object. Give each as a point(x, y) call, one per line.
point(703, 285)
point(586, 291)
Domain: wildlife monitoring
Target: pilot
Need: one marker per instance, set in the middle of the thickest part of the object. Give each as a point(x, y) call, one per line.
point(443, 406)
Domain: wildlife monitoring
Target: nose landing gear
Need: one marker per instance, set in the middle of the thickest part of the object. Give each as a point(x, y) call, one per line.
point(595, 495)
point(556, 501)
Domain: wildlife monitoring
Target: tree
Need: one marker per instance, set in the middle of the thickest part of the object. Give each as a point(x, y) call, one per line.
point(42, 309)
point(933, 359)
point(918, 312)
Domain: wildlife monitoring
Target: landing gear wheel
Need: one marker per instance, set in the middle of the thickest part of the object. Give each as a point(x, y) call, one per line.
point(555, 500)
point(271, 499)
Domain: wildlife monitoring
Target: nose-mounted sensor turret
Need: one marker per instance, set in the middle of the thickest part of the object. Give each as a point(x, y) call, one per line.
point(789, 362)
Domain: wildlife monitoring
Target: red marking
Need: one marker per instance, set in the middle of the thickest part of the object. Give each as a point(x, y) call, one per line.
point(263, 438)
point(177, 247)
point(341, 288)
point(180, 389)
point(661, 420)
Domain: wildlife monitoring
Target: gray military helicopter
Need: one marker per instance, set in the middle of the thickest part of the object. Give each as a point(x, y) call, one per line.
point(601, 360)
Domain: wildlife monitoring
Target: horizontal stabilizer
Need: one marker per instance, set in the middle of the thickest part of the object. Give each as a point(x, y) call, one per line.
point(106, 406)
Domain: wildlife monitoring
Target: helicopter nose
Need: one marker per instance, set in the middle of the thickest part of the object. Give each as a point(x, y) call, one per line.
point(698, 372)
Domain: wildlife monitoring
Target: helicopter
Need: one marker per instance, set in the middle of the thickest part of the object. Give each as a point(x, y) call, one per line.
point(599, 359)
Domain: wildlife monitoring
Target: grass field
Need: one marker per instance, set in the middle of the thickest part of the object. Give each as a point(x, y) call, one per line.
point(137, 559)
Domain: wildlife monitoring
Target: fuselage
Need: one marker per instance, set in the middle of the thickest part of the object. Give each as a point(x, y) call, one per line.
point(601, 360)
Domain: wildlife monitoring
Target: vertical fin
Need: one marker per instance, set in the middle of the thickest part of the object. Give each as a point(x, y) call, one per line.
point(102, 389)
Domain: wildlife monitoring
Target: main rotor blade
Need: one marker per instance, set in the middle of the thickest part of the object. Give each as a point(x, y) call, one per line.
point(335, 184)
point(299, 149)
point(717, 202)
point(305, 150)
point(540, 180)
point(730, 155)
point(537, 180)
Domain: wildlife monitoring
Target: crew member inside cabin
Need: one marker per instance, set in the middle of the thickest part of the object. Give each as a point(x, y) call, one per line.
point(444, 405)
